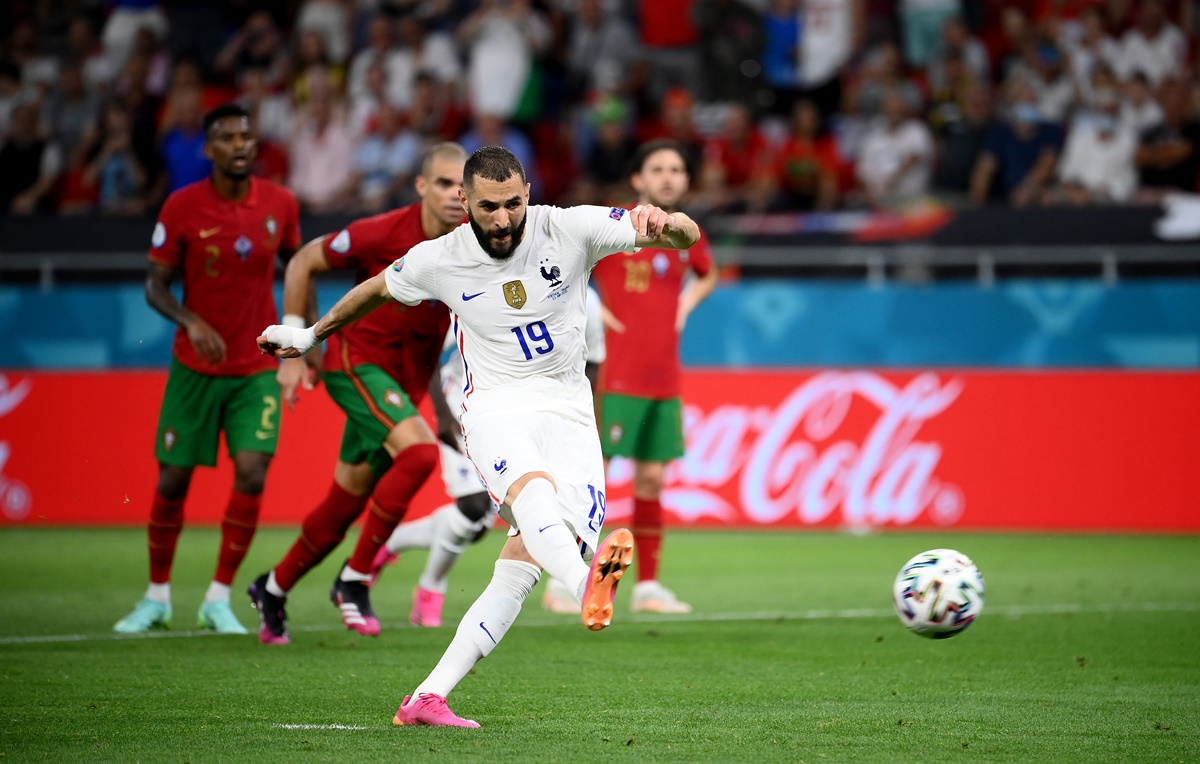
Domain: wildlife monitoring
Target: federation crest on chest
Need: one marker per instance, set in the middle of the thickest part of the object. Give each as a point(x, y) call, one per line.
point(243, 246)
point(660, 263)
point(514, 294)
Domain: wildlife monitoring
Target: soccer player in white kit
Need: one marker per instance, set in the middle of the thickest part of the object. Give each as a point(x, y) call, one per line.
point(514, 279)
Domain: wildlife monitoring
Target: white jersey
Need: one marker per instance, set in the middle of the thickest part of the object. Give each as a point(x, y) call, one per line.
point(519, 322)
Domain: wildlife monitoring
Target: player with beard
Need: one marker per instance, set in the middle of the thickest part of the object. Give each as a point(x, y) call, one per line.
point(222, 236)
point(515, 281)
point(641, 413)
point(378, 371)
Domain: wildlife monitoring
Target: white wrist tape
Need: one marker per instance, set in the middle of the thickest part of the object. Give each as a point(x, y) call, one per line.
point(303, 339)
point(291, 319)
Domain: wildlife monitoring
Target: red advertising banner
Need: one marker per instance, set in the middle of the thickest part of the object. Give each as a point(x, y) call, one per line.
point(995, 450)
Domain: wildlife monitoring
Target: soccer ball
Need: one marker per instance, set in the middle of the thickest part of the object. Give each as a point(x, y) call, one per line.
point(938, 593)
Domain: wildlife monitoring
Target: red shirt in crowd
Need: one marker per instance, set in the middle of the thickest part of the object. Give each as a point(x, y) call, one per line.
point(226, 251)
point(642, 289)
point(403, 340)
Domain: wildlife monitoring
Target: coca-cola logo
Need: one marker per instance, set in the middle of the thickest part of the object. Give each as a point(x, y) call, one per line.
point(16, 501)
point(841, 448)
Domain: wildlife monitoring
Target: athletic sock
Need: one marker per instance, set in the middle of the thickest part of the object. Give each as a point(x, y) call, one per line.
point(217, 592)
point(484, 625)
point(647, 534)
point(390, 501)
point(323, 529)
point(166, 521)
point(160, 593)
point(453, 532)
point(237, 531)
point(415, 534)
point(549, 542)
point(273, 586)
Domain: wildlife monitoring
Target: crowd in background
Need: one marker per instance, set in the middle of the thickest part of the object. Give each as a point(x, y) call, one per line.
point(780, 104)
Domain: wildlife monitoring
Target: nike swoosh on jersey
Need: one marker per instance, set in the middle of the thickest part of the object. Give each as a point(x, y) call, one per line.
point(551, 525)
point(206, 232)
point(468, 297)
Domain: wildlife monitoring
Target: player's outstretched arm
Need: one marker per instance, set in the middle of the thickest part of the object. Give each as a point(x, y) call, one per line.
point(292, 342)
point(300, 310)
point(209, 345)
point(658, 228)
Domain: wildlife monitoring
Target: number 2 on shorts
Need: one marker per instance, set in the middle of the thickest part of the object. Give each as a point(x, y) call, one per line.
point(538, 333)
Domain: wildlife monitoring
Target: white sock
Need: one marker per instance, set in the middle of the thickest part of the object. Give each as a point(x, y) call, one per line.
point(160, 593)
point(350, 574)
point(453, 531)
point(419, 534)
point(273, 586)
point(546, 535)
point(217, 593)
point(484, 625)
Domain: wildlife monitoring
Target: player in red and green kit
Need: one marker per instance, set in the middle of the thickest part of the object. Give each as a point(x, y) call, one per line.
point(222, 235)
point(641, 414)
point(378, 370)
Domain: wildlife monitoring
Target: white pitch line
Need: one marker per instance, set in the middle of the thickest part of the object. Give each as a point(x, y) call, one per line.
point(1010, 611)
point(319, 727)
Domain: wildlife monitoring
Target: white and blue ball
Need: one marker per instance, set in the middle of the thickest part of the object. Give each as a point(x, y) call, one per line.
point(938, 593)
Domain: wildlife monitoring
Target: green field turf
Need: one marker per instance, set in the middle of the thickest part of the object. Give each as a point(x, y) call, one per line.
point(1088, 650)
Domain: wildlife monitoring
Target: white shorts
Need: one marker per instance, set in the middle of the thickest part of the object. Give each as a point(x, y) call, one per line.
point(459, 474)
point(507, 445)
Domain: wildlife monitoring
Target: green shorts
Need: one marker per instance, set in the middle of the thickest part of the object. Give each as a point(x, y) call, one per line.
point(197, 407)
point(374, 404)
point(641, 428)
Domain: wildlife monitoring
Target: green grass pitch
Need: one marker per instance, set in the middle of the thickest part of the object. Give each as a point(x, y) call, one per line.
point(1088, 649)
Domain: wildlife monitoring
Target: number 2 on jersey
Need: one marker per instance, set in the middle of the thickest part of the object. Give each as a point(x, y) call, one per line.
point(537, 333)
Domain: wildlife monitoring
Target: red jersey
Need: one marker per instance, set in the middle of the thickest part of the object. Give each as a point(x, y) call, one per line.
point(642, 291)
point(226, 251)
point(403, 340)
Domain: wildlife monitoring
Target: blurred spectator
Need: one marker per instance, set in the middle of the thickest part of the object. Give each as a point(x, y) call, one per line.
point(1169, 154)
point(126, 18)
point(669, 43)
point(386, 162)
point(781, 53)
point(804, 171)
point(922, 21)
point(99, 71)
point(270, 112)
point(606, 167)
point(831, 32)
point(183, 139)
point(603, 53)
point(38, 70)
point(434, 114)
point(367, 102)
point(1155, 47)
point(257, 44)
point(379, 53)
point(948, 100)
point(1007, 39)
point(961, 141)
point(31, 165)
point(1043, 66)
point(882, 72)
point(143, 109)
point(420, 50)
point(1020, 153)
point(1118, 16)
point(71, 108)
point(970, 54)
point(674, 123)
point(1094, 49)
point(11, 93)
point(158, 64)
point(737, 165)
point(501, 36)
point(896, 159)
point(731, 47)
point(313, 62)
point(492, 130)
point(330, 20)
point(321, 154)
point(1098, 160)
point(1140, 112)
point(114, 171)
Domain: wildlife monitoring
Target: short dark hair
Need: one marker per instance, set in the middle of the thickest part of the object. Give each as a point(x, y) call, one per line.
point(652, 147)
point(221, 112)
point(492, 163)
